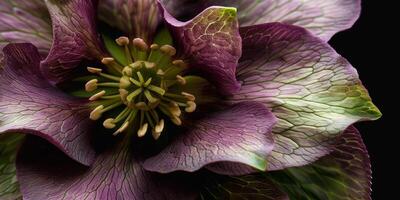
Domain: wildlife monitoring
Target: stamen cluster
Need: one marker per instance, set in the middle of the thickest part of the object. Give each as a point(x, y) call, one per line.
point(148, 89)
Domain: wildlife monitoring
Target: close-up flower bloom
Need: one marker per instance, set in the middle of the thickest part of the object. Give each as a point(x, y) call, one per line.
point(180, 99)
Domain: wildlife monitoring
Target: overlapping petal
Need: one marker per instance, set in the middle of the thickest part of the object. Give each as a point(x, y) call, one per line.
point(314, 92)
point(321, 17)
point(75, 38)
point(344, 174)
point(137, 18)
point(240, 134)
point(211, 44)
point(28, 104)
point(25, 21)
point(45, 173)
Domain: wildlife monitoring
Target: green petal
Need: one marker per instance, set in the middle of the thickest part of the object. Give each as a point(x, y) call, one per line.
point(9, 187)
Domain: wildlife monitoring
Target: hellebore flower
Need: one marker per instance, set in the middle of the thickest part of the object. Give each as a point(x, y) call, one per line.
point(244, 101)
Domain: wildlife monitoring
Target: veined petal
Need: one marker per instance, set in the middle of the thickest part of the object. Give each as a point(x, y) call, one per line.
point(321, 17)
point(240, 134)
point(344, 174)
point(211, 44)
point(314, 92)
point(75, 38)
point(45, 173)
point(28, 104)
point(25, 21)
point(137, 18)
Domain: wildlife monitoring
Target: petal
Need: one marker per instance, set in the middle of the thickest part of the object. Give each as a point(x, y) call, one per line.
point(116, 174)
point(323, 18)
point(344, 174)
point(9, 144)
point(240, 134)
point(211, 44)
point(75, 38)
point(28, 104)
point(314, 92)
point(137, 18)
point(253, 186)
point(25, 21)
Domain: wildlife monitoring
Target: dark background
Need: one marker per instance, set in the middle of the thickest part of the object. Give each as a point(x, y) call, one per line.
point(372, 48)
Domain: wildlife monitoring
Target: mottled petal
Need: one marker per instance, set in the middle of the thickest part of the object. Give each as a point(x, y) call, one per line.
point(240, 134)
point(75, 38)
point(9, 145)
point(136, 18)
point(25, 21)
point(45, 173)
point(211, 44)
point(345, 174)
point(254, 186)
point(28, 104)
point(321, 17)
point(314, 92)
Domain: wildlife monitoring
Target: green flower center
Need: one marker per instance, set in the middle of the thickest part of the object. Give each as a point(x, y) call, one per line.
point(150, 89)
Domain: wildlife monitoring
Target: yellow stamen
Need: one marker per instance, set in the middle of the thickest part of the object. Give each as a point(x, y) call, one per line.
point(122, 41)
point(191, 106)
point(168, 49)
point(97, 96)
point(96, 113)
point(127, 71)
point(107, 60)
point(142, 131)
point(109, 123)
point(154, 46)
point(189, 96)
point(122, 129)
point(94, 70)
point(124, 82)
point(91, 85)
point(180, 80)
point(140, 44)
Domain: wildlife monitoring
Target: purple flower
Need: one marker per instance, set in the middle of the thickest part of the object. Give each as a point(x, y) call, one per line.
point(243, 101)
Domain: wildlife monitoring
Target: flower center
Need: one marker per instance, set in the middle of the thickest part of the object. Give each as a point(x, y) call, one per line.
point(149, 89)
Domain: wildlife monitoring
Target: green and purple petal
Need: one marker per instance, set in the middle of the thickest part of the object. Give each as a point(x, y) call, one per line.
point(323, 18)
point(238, 135)
point(75, 38)
point(211, 44)
point(116, 174)
point(28, 104)
point(314, 92)
point(136, 18)
point(345, 174)
point(25, 21)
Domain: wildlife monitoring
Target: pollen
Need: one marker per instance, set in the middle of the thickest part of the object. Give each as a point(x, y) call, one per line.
point(142, 94)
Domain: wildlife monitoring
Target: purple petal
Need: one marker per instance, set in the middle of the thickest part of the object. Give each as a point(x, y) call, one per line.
point(211, 44)
point(240, 134)
point(137, 18)
point(75, 38)
point(314, 92)
point(25, 21)
point(321, 17)
point(28, 104)
point(45, 173)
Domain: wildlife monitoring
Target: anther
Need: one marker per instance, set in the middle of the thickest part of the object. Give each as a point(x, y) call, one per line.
point(160, 72)
point(191, 106)
point(149, 65)
point(97, 96)
point(176, 120)
point(122, 41)
point(154, 46)
point(124, 82)
point(124, 94)
point(94, 70)
point(160, 126)
point(168, 49)
point(180, 79)
point(96, 113)
point(122, 128)
point(142, 131)
point(136, 65)
point(189, 96)
point(127, 71)
point(107, 60)
point(91, 85)
point(140, 44)
point(174, 109)
point(179, 63)
point(141, 105)
point(109, 123)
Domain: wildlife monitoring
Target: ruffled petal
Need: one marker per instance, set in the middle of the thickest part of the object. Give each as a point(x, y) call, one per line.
point(75, 38)
point(321, 17)
point(240, 134)
point(28, 104)
point(343, 174)
point(211, 44)
point(314, 92)
point(137, 18)
point(45, 173)
point(25, 21)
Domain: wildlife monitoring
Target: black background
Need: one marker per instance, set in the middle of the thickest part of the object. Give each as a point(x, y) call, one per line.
point(372, 48)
